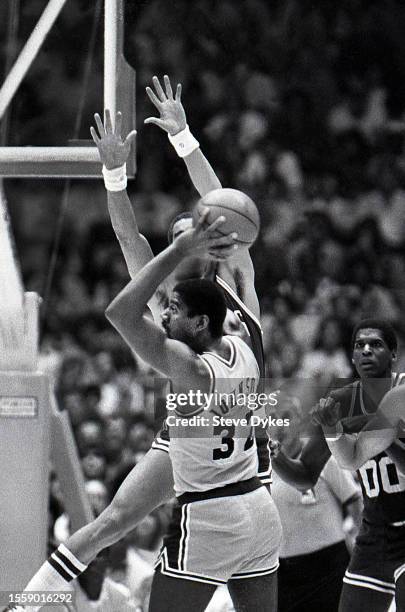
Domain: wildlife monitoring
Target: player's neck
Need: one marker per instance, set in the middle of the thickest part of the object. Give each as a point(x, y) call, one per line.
point(377, 387)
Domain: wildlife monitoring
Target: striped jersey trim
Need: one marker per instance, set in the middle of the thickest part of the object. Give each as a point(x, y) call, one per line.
point(161, 445)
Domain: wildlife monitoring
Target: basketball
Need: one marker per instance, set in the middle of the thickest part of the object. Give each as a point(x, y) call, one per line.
point(239, 210)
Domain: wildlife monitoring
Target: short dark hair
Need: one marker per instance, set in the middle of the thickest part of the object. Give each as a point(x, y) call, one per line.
point(203, 297)
point(183, 215)
point(385, 327)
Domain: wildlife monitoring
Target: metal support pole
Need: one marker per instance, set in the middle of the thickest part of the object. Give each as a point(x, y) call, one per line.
point(28, 53)
point(111, 18)
point(49, 154)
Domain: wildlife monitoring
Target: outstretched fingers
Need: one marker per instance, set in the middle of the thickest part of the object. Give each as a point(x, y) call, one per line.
point(153, 98)
point(118, 124)
point(168, 87)
point(99, 124)
point(108, 122)
point(94, 135)
point(159, 89)
point(131, 137)
point(178, 92)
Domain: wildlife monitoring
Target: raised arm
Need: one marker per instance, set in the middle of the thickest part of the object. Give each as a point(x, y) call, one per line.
point(114, 151)
point(170, 357)
point(238, 270)
point(172, 119)
point(353, 450)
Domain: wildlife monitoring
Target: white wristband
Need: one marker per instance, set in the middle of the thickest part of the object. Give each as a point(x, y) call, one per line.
point(184, 142)
point(115, 179)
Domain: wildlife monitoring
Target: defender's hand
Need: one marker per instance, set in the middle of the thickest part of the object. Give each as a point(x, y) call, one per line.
point(203, 240)
point(113, 149)
point(172, 115)
point(326, 413)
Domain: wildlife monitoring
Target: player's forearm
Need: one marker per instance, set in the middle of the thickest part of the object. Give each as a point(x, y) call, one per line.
point(201, 172)
point(348, 453)
point(293, 472)
point(134, 246)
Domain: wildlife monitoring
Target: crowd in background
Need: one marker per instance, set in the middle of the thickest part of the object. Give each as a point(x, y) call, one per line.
point(301, 105)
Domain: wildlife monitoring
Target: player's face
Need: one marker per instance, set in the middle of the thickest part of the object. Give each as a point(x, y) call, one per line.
point(176, 321)
point(371, 356)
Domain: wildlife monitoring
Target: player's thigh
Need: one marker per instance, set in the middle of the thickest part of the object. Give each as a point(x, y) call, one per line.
point(253, 594)
point(179, 595)
point(360, 599)
point(149, 484)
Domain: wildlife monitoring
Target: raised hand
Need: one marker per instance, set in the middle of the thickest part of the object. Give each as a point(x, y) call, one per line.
point(113, 149)
point(172, 114)
point(203, 240)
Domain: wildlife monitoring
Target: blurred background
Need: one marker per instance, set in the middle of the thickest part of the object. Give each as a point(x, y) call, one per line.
point(300, 104)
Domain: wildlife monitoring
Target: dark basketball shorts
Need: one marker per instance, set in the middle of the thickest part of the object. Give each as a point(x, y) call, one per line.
point(378, 558)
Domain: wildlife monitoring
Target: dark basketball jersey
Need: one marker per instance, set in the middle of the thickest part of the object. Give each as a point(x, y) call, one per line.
point(248, 320)
point(382, 485)
point(254, 331)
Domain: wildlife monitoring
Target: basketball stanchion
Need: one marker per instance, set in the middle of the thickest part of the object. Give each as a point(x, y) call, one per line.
point(32, 430)
point(35, 435)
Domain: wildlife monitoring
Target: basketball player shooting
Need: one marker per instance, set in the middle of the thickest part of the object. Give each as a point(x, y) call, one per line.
point(150, 483)
point(219, 497)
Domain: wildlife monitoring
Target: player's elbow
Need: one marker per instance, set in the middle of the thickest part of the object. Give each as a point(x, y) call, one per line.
point(116, 313)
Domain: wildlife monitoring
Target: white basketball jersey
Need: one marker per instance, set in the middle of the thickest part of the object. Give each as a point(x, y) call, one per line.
point(216, 446)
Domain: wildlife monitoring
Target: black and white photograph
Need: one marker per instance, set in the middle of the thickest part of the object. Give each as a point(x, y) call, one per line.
point(202, 299)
